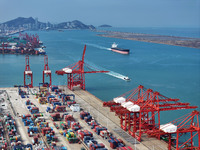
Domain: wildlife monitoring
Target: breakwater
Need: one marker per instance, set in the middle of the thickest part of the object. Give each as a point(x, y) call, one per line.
point(161, 39)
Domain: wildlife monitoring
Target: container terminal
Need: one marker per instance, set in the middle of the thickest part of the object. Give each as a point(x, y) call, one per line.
point(69, 117)
point(17, 108)
point(20, 106)
point(24, 44)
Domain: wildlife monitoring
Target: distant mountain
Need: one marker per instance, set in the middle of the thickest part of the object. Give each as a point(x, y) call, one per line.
point(19, 22)
point(74, 25)
point(105, 26)
point(33, 24)
point(27, 23)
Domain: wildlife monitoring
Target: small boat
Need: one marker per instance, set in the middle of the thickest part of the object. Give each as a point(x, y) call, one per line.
point(41, 51)
point(14, 47)
point(114, 48)
point(40, 43)
point(127, 78)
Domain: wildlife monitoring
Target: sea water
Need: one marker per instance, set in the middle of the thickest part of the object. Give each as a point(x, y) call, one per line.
point(171, 70)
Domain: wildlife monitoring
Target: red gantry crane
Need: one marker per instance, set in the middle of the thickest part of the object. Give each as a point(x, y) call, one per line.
point(76, 72)
point(28, 73)
point(140, 108)
point(46, 71)
point(188, 123)
point(32, 40)
point(3, 49)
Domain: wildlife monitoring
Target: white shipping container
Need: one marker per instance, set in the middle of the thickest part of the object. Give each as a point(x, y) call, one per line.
point(75, 107)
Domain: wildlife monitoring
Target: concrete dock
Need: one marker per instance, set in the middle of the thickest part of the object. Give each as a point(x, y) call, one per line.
point(88, 102)
point(112, 122)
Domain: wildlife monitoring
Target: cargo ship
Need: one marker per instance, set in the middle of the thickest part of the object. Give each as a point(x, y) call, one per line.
point(114, 48)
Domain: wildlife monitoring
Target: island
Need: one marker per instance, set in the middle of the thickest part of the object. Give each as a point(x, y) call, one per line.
point(105, 26)
point(161, 39)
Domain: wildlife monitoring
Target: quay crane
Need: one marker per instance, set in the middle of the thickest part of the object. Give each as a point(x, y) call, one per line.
point(46, 71)
point(76, 72)
point(188, 123)
point(33, 40)
point(139, 110)
point(28, 73)
point(3, 49)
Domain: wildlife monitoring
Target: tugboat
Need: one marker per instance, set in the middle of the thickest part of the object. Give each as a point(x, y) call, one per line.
point(114, 48)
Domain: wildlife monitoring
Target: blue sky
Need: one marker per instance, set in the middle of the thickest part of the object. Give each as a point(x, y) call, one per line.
point(118, 13)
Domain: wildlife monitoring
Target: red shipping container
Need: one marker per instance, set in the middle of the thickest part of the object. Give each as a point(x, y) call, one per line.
point(37, 115)
point(69, 103)
point(69, 118)
point(52, 100)
point(95, 146)
point(84, 133)
point(113, 145)
point(34, 110)
point(96, 127)
point(45, 130)
point(26, 116)
point(60, 108)
point(55, 117)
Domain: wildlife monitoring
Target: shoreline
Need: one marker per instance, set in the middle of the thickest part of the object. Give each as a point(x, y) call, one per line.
point(153, 38)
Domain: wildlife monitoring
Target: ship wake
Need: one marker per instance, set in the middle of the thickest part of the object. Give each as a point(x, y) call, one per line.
point(117, 75)
point(98, 46)
point(111, 73)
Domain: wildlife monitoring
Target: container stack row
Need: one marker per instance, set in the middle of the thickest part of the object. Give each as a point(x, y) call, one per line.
point(87, 137)
point(3, 143)
point(37, 124)
point(115, 143)
point(12, 133)
point(67, 130)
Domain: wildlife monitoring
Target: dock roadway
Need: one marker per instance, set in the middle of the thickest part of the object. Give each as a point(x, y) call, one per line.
point(108, 119)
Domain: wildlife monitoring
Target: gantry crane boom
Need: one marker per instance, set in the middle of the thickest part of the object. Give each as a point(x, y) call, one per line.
point(141, 108)
point(76, 72)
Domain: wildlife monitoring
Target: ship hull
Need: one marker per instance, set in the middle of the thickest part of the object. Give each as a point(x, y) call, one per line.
point(121, 51)
point(42, 53)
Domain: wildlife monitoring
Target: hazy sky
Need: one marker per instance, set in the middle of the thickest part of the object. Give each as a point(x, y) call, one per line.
point(118, 13)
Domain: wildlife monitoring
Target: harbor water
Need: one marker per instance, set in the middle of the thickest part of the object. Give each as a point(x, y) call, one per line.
point(171, 70)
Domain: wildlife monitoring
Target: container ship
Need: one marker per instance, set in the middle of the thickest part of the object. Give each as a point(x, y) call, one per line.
point(114, 48)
